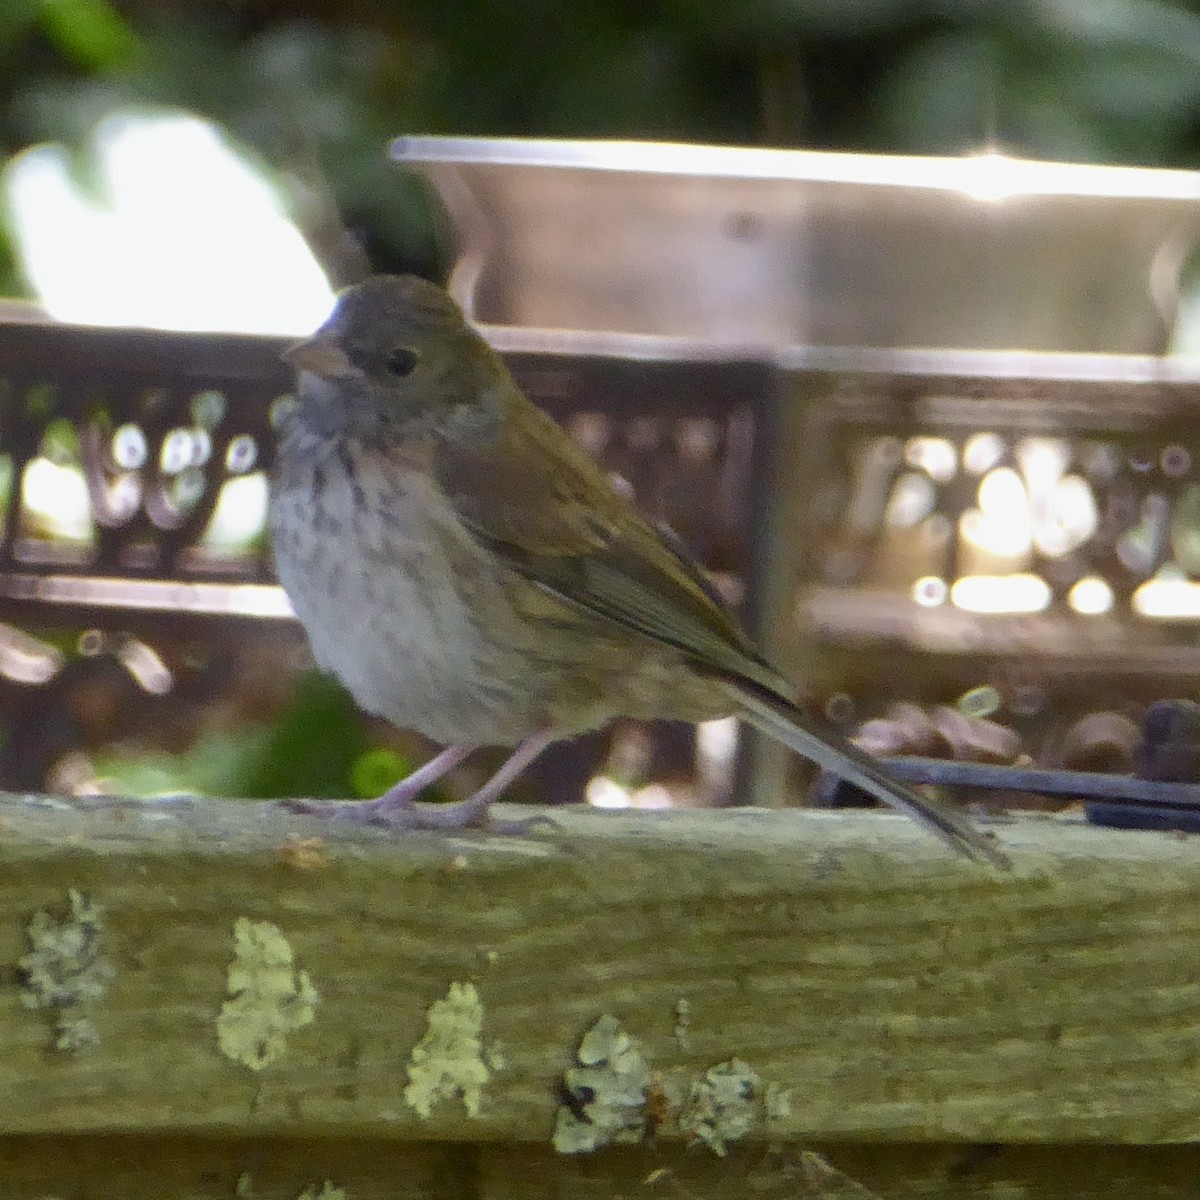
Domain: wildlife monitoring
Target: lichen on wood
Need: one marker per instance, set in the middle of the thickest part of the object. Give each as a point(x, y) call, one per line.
point(268, 997)
point(65, 971)
point(448, 1062)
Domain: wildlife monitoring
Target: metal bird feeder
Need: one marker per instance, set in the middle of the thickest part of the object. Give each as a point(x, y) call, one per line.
point(734, 334)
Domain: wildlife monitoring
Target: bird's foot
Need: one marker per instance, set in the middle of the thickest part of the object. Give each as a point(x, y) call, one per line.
point(396, 808)
point(403, 818)
point(398, 798)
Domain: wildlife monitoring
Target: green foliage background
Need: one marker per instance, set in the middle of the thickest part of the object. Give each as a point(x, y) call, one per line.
point(319, 89)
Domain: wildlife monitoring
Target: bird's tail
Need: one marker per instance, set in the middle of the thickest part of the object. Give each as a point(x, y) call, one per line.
point(782, 720)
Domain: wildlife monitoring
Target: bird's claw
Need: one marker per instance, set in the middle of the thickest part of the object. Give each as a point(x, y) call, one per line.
point(519, 826)
point(334, 809)
point(412, 817)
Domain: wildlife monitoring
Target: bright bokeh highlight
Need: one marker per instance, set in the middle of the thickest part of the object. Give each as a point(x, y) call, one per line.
point(179, 231)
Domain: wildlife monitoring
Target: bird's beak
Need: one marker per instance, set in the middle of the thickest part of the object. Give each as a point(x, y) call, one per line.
point(321, 357)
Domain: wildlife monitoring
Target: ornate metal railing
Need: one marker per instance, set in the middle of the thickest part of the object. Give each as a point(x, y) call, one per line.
point(133, 468)
point(1026, 523)
point(841, 498)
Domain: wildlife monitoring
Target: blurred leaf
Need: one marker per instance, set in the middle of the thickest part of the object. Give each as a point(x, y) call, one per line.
point(836, 18)
point(1137, 83)
point(90, 32)
point(216, 765)
point(60, 442)
point(1040, 122)
point(314, 749)
point(16, 16)
point(821, 18)
point(311, 749)
point(944, 97)
point(376, 771)
point(1171, 29)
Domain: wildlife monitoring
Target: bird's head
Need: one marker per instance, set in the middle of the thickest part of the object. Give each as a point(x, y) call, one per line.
point(395, 349)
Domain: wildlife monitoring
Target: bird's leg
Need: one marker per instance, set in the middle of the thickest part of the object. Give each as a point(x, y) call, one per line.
point(397, 798)
point(473, 810)
point(402, 793)
point(395, 808)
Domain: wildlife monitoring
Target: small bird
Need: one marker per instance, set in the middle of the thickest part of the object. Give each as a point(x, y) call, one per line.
point(469, 573)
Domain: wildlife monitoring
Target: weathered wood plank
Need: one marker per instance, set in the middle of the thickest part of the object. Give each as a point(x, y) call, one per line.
point(847, 1172)
point(876, 986)
point(129, 1167)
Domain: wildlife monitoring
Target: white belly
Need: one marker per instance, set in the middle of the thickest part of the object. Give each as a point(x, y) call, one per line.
point(402, 606)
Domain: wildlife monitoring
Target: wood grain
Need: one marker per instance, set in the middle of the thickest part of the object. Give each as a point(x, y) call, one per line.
point(881, 989)
point(129, 1167)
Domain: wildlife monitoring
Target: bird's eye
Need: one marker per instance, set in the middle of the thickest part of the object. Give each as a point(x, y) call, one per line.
point(400, 361)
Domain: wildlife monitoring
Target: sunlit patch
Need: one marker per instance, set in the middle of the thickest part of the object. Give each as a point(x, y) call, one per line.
point(602, 792)
point(934, 455)
point(186, 234)
point(240, 513)
point(244, 599)
point(144, 664)
point(1043, 459)
point(1001, 524)
point(55, 501)
point(1019, 593)
point(1168, 597)
point(716, 749)
point(911, 501)
point(988, 176)
point(1062, 507)
point(716, 740)
point(1067, 518)
point(994, 177)
point(74, 775)
point(653, 795)
point(982, 452)
point(1091, 596)
point(26, 659)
